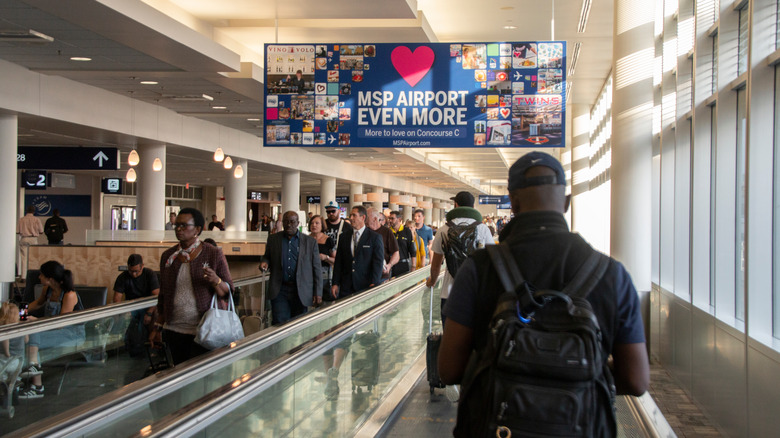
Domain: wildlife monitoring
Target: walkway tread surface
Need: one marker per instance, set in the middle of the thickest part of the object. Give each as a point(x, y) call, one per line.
point(683, 415)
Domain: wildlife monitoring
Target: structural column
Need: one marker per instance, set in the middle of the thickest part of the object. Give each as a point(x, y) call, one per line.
point(408, 210)
point(580, 167)
point(8, 190)
point(633, 49)
point(291, 191)
point(235, 197)
point(428, 211)
point(393, 206)
point(354, 189)
point(327, 192)
point(150, 195)
point(378, 204)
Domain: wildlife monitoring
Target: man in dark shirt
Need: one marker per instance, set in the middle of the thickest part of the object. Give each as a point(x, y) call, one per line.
point(548, 256)
point(407, 250)
point(55, 228)
point(391, 255)
point(335, 227)
point(136, 282)
point(215, 223)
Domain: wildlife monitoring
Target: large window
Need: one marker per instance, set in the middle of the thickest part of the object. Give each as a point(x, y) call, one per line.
point(742, 42)
point(713, 197)
point(776, 215)
point(714, 63)
point(739, 232)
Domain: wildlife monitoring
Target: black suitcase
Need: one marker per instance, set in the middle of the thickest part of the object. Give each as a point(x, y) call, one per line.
point(365, 359)
point(159, 358)
point(432, 353)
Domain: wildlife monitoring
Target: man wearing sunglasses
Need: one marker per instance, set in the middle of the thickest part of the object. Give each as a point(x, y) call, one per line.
point(335, 227)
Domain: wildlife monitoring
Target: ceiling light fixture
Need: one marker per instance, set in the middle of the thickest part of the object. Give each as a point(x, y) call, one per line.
point(219, 155)
point(239, 172)
point(228, 163)
point(157, 165)
point(510, 27)
point(575, 55)
point(24, 36)
point(148, 82)
point(253, 120)
point(133, 159)
point(584, 13)
point(80, 58)
point(130, 177)
point(219, 107)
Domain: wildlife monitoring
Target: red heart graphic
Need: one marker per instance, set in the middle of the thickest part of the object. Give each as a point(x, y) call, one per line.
point(505, 112)
point(412, 66)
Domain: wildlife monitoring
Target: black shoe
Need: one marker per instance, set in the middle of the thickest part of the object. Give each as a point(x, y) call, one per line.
point(31, 392)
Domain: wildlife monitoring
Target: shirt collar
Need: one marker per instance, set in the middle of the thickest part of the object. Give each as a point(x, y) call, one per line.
point(533, 221)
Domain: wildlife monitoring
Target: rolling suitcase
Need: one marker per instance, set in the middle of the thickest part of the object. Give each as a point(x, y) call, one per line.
point(365, 359)
point(432, 352)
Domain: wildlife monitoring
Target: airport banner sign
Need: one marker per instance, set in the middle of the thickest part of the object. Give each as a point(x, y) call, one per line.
point(499, 94)
point(67, 158)
point(69, 205)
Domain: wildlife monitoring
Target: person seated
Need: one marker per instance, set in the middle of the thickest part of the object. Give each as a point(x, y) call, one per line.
point(137, 282)
point(57, 298)
point(11, 350)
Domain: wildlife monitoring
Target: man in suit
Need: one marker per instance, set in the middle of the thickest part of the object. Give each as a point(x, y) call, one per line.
point(359, 259)
point(296, 273)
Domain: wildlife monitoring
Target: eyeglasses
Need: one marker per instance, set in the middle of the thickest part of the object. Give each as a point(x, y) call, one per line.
point(177, 226)
point(331, 211)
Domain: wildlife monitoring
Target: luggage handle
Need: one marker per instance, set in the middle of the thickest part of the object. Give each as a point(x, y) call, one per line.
point(430, 316)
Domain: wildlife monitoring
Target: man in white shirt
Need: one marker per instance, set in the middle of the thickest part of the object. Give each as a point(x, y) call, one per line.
point(463, 214)
point(29, 228)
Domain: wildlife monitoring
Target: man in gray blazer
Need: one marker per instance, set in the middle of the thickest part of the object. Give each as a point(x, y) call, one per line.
point(296, 271)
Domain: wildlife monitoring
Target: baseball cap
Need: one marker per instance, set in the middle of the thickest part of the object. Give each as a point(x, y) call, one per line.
point(518, 180)
point(332, 204)
point(464, 199)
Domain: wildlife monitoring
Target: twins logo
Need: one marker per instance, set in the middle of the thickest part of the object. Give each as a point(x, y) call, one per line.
point(42, 205)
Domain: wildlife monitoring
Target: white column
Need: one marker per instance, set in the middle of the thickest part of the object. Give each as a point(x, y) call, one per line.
point(393, 206)
point(633, 49)
point(580, 166)
point(9, 186)
point(150, 195)
point(408, 210)
point(327, 192)
point(354, 189)
point(235, 198)
point(291, 190)
point(428, 211)
point(377, 204)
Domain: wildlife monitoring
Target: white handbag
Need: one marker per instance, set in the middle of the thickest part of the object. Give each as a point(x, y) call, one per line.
point(219, 327)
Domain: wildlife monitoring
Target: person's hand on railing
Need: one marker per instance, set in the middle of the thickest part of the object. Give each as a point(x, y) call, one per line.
point(264, 266)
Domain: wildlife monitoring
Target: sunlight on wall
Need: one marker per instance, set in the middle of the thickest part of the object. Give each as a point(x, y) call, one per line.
point(636, 14)
point(634, 68)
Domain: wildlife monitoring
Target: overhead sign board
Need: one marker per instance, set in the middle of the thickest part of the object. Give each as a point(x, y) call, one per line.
point(35, 180)
point(494, 199)
point(111, 186)
point(502, 94)
point(67, 158)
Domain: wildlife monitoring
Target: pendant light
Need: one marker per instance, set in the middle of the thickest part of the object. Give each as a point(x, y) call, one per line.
point(238, 173)
point(133, 159)
point(130, 175)
point(157, 165)
point(228, 163)
point(219, 155)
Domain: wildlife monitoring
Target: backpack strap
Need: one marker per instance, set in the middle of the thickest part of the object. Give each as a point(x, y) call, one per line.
point(518, 293)
point(587, 276)
point(506, 268)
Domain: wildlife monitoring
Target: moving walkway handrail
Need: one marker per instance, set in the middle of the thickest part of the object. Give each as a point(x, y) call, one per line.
point(11, 331)
point(206, 410)
point(113, 405)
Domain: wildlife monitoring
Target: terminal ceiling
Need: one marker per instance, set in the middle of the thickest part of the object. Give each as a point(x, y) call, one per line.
point(196, 47)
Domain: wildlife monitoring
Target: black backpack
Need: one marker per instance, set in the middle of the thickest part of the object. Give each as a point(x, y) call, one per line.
point(458, 244)
point(54, 231)
point(543, 371)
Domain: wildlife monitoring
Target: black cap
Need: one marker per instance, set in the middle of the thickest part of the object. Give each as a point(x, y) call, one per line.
point(518, 180)
point(463, 199)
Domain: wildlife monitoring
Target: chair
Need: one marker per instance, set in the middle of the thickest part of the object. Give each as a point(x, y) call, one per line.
point(9, 371)
point(97, 332)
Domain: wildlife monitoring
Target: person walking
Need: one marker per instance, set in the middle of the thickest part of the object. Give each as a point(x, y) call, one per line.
point(28, 228)
point(55, 228)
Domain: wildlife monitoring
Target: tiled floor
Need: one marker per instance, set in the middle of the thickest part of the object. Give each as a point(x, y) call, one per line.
point(682, 414)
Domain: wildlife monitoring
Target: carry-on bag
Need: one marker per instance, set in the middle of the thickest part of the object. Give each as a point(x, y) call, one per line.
point(365, 359)
point(432, 352)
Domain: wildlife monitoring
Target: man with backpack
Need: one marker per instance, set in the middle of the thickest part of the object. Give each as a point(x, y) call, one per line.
point(463, 234)
point(533, 320)
point(55, 228)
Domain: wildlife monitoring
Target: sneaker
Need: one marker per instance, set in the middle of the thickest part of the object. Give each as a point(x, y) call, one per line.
point(31, 392)
point(33, 370)
point(452, 392)
point(332, 385)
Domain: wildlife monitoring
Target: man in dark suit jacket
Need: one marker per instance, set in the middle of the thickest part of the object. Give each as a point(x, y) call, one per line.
point(296, 271)
point(357, 270)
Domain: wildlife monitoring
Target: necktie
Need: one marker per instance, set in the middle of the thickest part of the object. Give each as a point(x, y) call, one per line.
point(354, 242)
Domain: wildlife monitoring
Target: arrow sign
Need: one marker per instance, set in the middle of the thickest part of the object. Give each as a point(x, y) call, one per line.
point(100, 157)
point(67, 158)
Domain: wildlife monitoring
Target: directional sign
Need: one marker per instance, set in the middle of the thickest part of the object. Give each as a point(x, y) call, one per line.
point(67, 158)
point(34, 180)
point(493, 199)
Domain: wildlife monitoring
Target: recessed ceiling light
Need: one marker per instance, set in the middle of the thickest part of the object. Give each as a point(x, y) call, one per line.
point(80, 58)
point(510, 27)
point(507, 8)
point(218, 107)
point(148, 82)
point(252, 120)
point(339, 149)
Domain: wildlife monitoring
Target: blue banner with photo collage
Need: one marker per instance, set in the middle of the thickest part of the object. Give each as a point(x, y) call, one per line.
point(502, 94)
